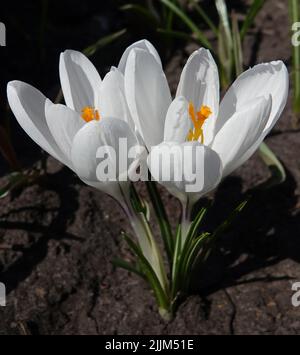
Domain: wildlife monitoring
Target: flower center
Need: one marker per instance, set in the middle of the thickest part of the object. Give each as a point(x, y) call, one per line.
point(89, 113)
point(198, 118)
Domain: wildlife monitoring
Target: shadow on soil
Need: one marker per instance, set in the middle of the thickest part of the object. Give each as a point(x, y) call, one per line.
point(265, 233)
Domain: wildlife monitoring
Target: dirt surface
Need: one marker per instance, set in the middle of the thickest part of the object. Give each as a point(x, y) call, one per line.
point(58, 238)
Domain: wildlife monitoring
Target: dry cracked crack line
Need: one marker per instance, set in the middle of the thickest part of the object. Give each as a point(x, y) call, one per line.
point(234, 312)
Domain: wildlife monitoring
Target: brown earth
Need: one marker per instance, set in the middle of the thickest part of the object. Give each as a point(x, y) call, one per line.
point(58, 238)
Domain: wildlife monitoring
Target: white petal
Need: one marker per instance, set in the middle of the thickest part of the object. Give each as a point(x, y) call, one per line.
point(79, 79)
point(148, 95)
point(242, 131)
point(101, 134)
point(63, 123)
point(112, 97)
point(178, 122)
point(28, 105)
point(262, 80)
point(199, 84)
point(187, 170)
point(143, 44)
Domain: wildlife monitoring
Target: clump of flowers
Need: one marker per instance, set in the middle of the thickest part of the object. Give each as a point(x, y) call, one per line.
point(187, 144)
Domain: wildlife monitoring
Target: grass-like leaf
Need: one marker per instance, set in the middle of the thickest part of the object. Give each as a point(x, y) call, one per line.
point(102, 42)
point(204, 16)
point(195, 226)
point(237, 46)
point(191, 257)
point(278, 174)
point(16, 180)
point(127, 266)
point(176, 261)
point(161, 297)
point(161, 215)
point(138, 204)
point(294, 7)
point(251, 15)
point(189, 22)
point(224, 19)
point(221, 229)
point(141, 10)
point(183, 248)
point(225, 44)
point(176, 34)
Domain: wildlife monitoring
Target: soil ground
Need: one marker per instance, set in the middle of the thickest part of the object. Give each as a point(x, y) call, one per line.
point(58, 238)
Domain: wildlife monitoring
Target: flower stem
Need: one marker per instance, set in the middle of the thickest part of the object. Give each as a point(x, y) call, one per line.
point(162, 218)
point(185, 219)
point(146, 241)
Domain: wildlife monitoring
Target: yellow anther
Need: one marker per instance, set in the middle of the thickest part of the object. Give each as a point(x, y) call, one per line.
point(198, 118)
point(205, 111)
point(89, 113)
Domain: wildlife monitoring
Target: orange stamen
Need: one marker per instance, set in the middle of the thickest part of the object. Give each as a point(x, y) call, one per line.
point(89, 113)
point(198, 118)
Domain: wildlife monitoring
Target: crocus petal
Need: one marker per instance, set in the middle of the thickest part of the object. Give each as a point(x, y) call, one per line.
point(143, 44)
point(199, 84)
point(187, 170)
point(28, 105)
point(242, 131)
point(102, 134)
point(261, 80)
point(178, 122)
point(112, 97)
point(79, 79)
point(148, 95)
point(63, 123)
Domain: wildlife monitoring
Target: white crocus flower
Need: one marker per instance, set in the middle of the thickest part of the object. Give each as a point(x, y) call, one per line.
point(88, 100)
point(95, 115)
point(228, 132)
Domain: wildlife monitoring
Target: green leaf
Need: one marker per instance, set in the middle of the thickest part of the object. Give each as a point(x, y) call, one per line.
point(161, 215)
point(225, 44)
point(160, 295)
point(16, 179)
point(204, 16)
point(127, 266)
point(194, 227)
point(230, 218)
point(103, 42)
point(169, 20)
point(176, 34)
point(176, 257)
point(191, 257)
point(250, 17)
point(237, 46)
point(278, 174)
point(221, 229)
point(189, 22)
point(138, 204)
point(224, 19)
point(141, 10)
point(182, 252)
point(295, 18)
